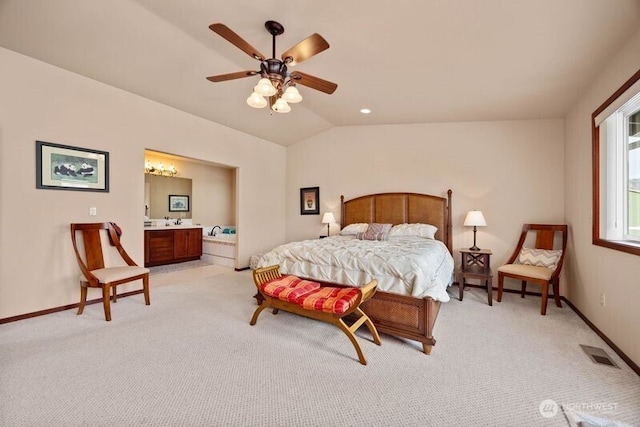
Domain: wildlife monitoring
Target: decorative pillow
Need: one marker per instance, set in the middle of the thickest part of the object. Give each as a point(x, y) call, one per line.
point(375, 231)
point(539, 257)
point(353, 229)
point(417, 229)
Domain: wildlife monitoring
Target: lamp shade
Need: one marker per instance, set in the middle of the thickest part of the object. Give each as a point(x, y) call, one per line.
point(281, 106)
point(328, 218)
point(256, 100)
point(291, 95)
point(265, 88)
point(475, 219)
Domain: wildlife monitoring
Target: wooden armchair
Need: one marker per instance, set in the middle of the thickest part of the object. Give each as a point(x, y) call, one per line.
point(92, 264)
point(540, 265)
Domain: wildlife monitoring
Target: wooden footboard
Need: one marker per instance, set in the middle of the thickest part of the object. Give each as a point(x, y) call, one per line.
point(403, 316)
point(399, 315)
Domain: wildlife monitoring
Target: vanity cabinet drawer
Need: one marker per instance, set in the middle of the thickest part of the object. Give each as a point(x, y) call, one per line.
point(169, 246)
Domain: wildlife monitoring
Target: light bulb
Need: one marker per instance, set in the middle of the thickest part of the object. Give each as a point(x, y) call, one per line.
point(265, 88)
point(256, 100)
point(291, 95)
point(281, 106)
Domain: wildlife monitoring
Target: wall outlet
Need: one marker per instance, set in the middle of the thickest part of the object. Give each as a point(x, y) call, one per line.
point(602, 299)
point(93, 211)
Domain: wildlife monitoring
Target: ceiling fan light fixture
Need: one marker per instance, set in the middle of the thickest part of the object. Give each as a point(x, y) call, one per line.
point(291, 95)
point(281, 106)
point(265, 88)
point(256, 100)
point(276, 86)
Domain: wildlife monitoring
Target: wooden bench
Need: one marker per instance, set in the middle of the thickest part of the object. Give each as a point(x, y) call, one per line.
point(315, 300)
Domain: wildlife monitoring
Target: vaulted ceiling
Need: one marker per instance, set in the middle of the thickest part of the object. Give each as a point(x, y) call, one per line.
point(409, 61)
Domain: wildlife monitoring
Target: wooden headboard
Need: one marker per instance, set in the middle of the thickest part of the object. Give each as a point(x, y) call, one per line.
point(401, 208)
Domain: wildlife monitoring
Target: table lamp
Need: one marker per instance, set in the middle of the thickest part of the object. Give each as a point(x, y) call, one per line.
point(328, 219)
point(475, 219)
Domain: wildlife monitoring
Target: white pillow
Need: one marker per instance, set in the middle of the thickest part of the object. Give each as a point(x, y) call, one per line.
point(421, 230)
point(353, 229)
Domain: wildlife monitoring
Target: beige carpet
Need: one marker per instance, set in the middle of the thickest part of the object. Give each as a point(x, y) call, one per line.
point(191, 359)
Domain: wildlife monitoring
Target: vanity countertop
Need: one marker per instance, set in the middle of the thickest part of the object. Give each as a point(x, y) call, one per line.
point(170, 227)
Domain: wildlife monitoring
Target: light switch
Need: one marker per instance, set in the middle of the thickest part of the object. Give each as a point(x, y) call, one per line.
point(93, 211)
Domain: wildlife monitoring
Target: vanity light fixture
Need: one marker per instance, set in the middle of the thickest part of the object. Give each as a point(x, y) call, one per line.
point(160, 170)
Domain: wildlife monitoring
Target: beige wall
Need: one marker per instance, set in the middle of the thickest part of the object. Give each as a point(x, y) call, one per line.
point(593, 269)
point(41, 102)
point(513, 171)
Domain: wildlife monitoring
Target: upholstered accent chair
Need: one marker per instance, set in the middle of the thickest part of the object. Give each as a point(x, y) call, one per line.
point(100, 271)
point(541, 264)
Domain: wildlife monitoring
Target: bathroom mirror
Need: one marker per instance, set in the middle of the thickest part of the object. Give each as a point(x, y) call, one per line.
point(157, 190)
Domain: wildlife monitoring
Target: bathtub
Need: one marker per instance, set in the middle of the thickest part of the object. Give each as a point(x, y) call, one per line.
point(220, 249)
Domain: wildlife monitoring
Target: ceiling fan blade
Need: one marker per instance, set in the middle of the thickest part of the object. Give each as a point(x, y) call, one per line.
point(312, 45)
point(226, 33)
point(313, 82)
point(232, 76)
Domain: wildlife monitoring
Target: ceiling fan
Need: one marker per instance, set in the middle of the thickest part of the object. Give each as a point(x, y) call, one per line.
point(277, 84)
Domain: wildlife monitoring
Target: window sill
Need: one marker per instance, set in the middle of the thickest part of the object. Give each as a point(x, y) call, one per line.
point(619, 245)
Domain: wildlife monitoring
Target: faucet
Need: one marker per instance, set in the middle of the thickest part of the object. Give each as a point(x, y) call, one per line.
point(178, 221)
point(213, 232)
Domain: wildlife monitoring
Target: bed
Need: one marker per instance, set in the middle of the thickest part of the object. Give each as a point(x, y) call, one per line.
point(408, 298)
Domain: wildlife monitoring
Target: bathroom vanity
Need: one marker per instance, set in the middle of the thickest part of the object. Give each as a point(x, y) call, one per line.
point(172, 244)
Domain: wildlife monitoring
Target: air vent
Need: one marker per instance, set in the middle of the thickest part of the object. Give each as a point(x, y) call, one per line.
point(598, 355)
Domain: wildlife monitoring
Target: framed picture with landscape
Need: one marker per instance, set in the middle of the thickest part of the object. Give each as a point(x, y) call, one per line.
point(63, 167)
point(178, 203)
point(310, 201)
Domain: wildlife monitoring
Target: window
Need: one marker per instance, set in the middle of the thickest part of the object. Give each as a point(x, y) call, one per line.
point(616, 169)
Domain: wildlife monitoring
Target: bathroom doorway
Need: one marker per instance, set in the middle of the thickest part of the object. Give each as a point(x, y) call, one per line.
point(212, 199)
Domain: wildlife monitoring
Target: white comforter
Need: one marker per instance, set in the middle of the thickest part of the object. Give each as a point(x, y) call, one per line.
point(405, 265)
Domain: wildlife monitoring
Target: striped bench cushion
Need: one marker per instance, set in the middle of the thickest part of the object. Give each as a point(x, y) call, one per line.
point(329, 300)
point(288, 288)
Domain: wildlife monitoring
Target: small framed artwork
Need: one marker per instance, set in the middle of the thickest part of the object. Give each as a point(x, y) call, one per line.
point(178, 203)
point(310, 201)
point(62, 167)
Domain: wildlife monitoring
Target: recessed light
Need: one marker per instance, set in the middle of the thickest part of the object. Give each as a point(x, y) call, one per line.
point(365, 111)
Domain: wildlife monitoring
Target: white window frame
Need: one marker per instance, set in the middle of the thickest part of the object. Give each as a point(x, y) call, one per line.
point(610, 124)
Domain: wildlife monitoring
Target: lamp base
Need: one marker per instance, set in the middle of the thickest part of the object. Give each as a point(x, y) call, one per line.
point(474, 247)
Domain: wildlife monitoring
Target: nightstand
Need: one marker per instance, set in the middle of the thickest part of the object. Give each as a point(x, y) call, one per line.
point(476, 265)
